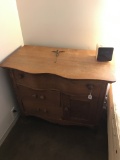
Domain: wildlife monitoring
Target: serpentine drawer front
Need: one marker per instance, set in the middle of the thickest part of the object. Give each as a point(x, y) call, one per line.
point(49, 81)
point(63, 86)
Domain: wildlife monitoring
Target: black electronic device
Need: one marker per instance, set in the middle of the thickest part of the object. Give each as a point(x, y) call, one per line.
point(104, 53)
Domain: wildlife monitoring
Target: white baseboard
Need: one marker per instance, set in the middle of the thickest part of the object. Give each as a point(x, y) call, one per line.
point(9, 129)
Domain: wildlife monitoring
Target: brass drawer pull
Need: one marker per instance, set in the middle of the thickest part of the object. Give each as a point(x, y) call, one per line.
point(90, 86)
point(42, 110)
point(45, 110)
point(21, 76)
point(66, 109)
point(61, 118)
point(42, 97)
point(34, 95)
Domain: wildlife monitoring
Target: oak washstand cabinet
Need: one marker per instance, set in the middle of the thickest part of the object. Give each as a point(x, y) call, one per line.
point(64, 86)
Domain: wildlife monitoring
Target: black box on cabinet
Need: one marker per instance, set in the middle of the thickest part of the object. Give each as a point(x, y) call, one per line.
point(104, 53)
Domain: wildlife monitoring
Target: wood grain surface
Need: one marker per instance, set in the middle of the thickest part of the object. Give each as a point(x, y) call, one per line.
point(70, 63)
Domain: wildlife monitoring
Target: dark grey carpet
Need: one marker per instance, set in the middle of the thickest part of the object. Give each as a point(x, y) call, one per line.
point(35, 139)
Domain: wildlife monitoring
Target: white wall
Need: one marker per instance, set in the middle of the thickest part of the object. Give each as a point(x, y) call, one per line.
point(70, 23)
point(61, 23)
point(10, 31)
point(10, 39)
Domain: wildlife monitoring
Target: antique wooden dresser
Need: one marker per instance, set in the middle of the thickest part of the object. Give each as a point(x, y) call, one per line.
point(64, 86)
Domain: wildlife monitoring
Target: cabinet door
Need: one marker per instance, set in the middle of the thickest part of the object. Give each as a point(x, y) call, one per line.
point(79, 109)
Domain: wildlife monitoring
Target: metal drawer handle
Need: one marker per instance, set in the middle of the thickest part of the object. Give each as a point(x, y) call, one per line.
point(21, 76)
point(45, 110)
point(42, 97)
point(34, 95)
point(90, 87)
point(66, 109)
point(42, 110)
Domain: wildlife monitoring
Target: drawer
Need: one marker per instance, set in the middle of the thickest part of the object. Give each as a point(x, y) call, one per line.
point(50, 81)
point(25, 79)
point(45, 102)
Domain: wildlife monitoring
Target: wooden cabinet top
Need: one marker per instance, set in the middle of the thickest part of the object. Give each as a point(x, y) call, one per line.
point(68, 63)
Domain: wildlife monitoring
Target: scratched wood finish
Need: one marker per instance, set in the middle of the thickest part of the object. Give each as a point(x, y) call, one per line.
point(71, 63)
